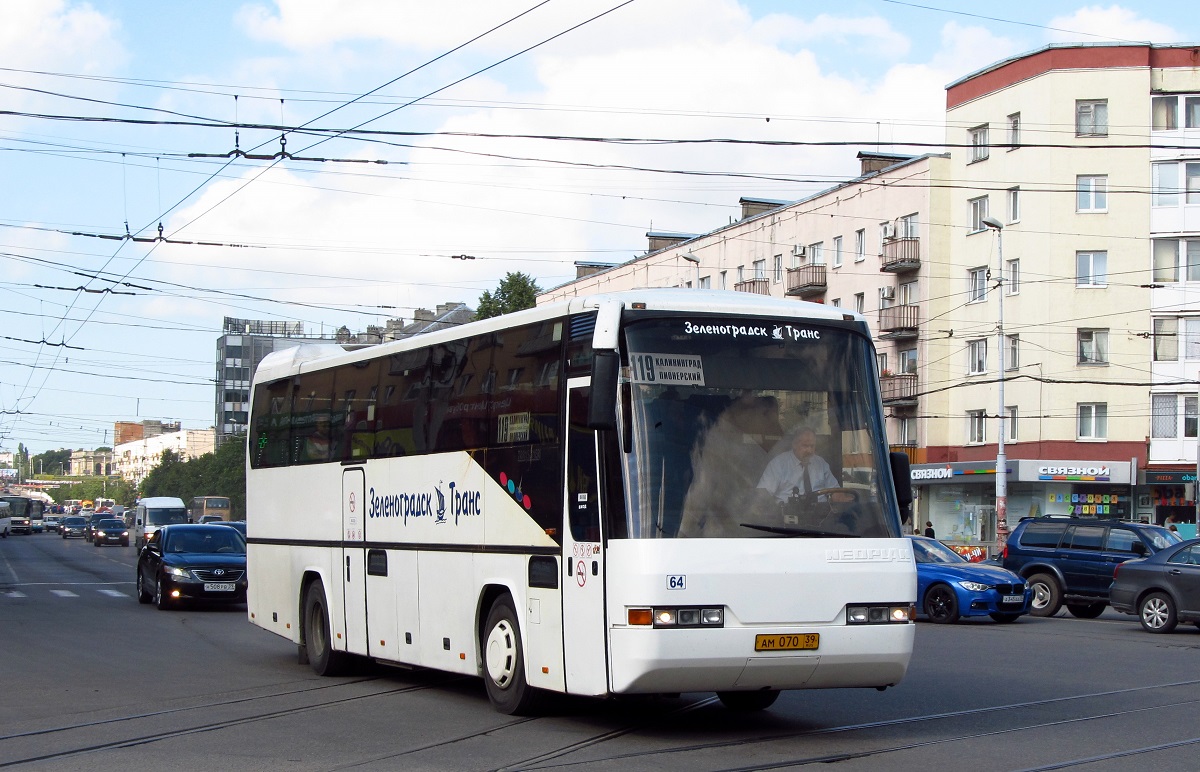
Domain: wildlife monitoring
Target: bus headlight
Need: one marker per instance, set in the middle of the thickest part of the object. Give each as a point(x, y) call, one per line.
point(878, 614)
point(690, 616)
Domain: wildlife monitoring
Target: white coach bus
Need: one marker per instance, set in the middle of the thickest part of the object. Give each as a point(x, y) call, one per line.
point(576, 498)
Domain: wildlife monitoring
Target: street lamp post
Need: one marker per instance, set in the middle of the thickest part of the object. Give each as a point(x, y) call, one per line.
point(1001, 459)
point(696, 262)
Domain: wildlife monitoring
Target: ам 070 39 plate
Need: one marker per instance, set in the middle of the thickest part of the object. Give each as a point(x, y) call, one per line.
point(787, 642)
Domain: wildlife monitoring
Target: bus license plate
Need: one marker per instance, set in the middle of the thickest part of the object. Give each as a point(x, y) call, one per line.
point(219, 587)
point(1013, 599)
point(797, 642)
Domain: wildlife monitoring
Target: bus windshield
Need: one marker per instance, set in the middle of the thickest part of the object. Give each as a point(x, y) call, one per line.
point(751, 430)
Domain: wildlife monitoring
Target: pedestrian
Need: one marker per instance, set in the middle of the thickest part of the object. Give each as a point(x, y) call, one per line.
point(929, 530)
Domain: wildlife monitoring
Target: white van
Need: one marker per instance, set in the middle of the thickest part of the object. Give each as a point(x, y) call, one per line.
point(5, 519)
point(154, 512)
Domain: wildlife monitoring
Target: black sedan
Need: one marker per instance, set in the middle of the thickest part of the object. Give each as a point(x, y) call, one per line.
point(73, 526)
point(192, 562)
point(110, 531)
point(1162, 589)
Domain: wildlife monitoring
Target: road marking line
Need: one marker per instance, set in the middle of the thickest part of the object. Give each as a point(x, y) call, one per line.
point(64, 593)
point(15, 594)
point(114, 593)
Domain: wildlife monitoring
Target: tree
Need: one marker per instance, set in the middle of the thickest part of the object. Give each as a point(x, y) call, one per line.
point(517, 291)
point(222, 473)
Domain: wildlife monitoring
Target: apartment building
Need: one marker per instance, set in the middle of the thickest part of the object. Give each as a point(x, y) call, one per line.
point(135, 459)
point(1053, 166)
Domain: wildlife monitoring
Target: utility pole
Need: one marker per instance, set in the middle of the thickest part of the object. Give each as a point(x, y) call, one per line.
point(1001, 459)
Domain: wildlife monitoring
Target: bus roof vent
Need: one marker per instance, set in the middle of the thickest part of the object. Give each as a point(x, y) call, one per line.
point(583, 326)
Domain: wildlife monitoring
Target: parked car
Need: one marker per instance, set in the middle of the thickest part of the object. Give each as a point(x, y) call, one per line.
point(1071, 560)
point(950, 587)
point(73, 525)
point(1162, 589)
point(111, 530)
point(190, 561)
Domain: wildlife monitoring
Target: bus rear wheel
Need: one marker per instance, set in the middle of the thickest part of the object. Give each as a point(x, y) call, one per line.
point(504, 661)
point(746, 702)
point(318, 642)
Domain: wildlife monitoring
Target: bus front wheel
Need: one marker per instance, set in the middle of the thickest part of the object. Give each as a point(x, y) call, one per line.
point(318, 643)
point(504, 661)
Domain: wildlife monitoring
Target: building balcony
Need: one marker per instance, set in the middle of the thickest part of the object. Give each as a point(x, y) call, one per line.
point(901, 255)
point(899, 322)
point(916, 455)
point(899, 389)
point(757, 286)
point(806, 280)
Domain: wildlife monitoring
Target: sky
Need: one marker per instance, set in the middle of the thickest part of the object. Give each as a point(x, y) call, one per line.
point(480, 128)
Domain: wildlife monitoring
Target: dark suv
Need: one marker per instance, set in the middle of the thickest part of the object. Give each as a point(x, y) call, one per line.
point(1071, 559)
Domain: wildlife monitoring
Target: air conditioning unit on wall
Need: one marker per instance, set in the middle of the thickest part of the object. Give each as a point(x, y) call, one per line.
point(798, 251)
point(887, 293)
point(889, 230)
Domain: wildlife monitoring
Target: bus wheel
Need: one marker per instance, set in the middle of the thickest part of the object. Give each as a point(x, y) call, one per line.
point(745, 702)
point(318, 641)
point(504, 661)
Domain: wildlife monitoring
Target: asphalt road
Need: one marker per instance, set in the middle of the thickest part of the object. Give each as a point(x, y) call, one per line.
point(94, 681)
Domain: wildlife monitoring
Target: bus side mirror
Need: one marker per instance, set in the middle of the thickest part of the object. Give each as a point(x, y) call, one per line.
point(902, 479)
point(602, 407)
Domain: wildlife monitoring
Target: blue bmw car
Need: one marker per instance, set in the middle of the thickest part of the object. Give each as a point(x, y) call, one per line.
point(950, 587)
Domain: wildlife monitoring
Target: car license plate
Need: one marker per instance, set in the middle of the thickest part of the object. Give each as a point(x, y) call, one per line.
point(219, 587)
point(791, 642)
point(1013, 599)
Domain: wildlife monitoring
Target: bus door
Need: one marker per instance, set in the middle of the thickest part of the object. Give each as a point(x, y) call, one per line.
point(353, 563)
point(584, 628)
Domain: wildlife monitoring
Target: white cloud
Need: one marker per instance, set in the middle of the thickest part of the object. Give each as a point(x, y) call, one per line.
point(60, 36)
point(865, 33)
point(1114, 23)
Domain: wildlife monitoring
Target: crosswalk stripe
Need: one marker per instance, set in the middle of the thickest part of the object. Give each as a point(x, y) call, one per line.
point(114, 593)
point(64, 593)
point(14, 594)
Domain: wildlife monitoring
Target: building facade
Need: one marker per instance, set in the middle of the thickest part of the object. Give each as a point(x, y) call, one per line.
point(134, 460)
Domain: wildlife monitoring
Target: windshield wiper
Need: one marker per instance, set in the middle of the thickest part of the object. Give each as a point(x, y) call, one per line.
point(783, 531)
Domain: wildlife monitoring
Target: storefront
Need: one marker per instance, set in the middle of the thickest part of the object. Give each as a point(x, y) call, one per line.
point(960, 498)
point(1164, 494)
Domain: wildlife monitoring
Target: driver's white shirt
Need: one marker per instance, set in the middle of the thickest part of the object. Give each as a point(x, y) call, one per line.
point(785, 472)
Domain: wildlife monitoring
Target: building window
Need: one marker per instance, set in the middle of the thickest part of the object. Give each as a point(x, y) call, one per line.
point(1091, 118)
point(837, 251)
point(1167, 265)
point(1014, 131)
point(976, 427)
point(979, 143)
point(908, 360)
point(1093, 420)
point(979, 212)
point(1014, 205)
point(1091, 269)
point(977, 356)
point(881, 361)
point(1164, 416)
point(860, 302)
point(908, 293)
point(741, 274)
point(1011, 420)
point(906, 227)
point(760, 269)
point(1164, 111)
point(1012, 352)
point(816, 253)
point(778, 273)
point(1166, 188)
point(1013, 279)
point(1093, 347)
point(836, 302)
point(1166, 339)
point(860, 245)
point(705, 282)
point(906, 428)
point(1091, 193)
point(978, 285)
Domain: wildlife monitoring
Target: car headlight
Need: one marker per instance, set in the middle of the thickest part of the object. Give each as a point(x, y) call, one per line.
point(182, 573)
point(975, 586)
